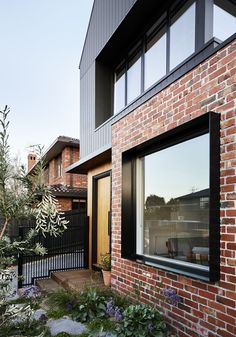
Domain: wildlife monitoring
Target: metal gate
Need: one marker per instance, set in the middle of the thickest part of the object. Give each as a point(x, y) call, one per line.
point(68, 251)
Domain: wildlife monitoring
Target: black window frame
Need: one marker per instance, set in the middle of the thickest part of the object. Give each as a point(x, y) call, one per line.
point(207, 123)
point(203, 36)
point(58, 166)
point(165, 23)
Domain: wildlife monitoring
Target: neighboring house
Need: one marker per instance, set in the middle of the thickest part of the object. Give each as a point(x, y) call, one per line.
point(158, 118)
point(69, 189)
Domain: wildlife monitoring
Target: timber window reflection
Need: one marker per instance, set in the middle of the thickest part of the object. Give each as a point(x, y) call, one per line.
point(173, 202)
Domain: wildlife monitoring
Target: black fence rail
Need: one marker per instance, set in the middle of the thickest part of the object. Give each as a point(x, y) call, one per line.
point(68, 251)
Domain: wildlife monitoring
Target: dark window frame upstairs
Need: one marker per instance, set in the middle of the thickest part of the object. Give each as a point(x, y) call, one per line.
point(203, 37)
point(208, 123)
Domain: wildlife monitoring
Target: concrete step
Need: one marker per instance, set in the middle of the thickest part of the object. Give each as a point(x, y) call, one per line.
point(48, 285)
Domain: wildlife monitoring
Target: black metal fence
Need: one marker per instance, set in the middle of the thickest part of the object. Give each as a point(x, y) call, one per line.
point(68, 251)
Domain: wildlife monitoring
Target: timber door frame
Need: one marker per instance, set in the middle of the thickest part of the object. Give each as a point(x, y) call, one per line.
point(94, 213)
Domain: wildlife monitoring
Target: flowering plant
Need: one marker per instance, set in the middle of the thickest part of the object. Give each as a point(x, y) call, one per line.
point(113, 311)
point(144, 319)
point(32, 292)
point(171, 296)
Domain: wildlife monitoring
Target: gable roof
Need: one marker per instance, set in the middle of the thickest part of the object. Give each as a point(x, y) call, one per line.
point(57, 147)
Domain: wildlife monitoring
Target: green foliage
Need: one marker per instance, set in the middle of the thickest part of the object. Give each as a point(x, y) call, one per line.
point(105, 261)
point(24, 195)
point(101, 325)
point(91, 305)
point(61, 298)
point(144, 319)
point(27, 329)
point(83, 334)
point(21, 196)
point(48, 218)
point(94, 306)
point(57, 313)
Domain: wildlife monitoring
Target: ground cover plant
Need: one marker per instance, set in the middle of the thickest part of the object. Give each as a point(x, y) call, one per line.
point(104, 311)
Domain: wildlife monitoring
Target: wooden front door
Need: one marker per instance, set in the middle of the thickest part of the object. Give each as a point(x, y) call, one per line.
point(103, 200)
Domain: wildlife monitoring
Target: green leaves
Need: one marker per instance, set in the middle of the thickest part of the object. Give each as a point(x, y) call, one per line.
point(48, 218)
point(144, 319)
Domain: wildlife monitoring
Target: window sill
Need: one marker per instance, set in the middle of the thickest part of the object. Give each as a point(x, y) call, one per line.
point(195, 271)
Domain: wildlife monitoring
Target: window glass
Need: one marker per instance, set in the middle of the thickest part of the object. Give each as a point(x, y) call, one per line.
point(58, 168)
point(224, 20)
point(119, 95)
point(173, 202)
point(46, 175)
point(134, 78)
point(182, 35)
point(155, 59)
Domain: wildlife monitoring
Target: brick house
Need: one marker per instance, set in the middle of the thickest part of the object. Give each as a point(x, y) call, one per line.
point(69, 189)
point(158, 143)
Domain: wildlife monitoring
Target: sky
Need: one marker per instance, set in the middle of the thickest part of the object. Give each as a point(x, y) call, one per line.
point(169, 177)
point(41, 43)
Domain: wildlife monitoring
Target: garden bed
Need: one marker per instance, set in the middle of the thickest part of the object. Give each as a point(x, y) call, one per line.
point(91, 312)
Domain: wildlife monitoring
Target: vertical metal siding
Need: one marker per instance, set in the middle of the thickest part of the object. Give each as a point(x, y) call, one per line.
point(106, 17)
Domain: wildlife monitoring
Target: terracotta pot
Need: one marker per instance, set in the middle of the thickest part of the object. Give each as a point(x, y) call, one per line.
point(106, 277)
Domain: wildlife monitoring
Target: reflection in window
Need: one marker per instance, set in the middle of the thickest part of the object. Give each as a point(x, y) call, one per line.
point(58, 167)
point(134, 78)
point(182, 35)
point(46, 175)
point(173, 202)
point(155, 59)
point(119, 95)
point(224, 20)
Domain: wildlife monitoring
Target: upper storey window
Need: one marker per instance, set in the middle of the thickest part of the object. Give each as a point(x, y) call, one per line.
point(224, 22)
point(182, 30)
point(155, 57)
point(182, 35)
point(119, 97)
point(58, 166)
point(134, 76)
point(165, 45)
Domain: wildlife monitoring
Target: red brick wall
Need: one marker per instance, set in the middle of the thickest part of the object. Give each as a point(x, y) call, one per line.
point(65, 203)
point(69, 179)
point(208, 309)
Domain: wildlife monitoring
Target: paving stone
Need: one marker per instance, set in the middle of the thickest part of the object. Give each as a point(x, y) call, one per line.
point(40, 314)
point(65, 325)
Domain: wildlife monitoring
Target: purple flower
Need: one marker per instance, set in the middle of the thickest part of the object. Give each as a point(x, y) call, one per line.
point(31, 292)
point(118, 314)
point(69, 306)
point(150, 328)
point(112, 311)
point(171, 296)
point(110, 308)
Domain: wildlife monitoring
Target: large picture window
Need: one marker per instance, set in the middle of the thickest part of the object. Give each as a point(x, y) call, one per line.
point(171, 222)
point(170, 200)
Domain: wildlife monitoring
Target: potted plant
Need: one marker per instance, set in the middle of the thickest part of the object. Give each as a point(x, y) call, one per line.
point(106, 268)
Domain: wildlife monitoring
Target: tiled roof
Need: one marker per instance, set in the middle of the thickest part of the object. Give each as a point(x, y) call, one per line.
point(68, 191)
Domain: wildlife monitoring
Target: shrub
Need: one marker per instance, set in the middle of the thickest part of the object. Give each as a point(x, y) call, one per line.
point(144, 319)
point(92, 304)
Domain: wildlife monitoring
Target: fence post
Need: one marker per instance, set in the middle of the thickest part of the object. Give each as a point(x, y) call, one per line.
point(20, 261)
point(86, 242)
